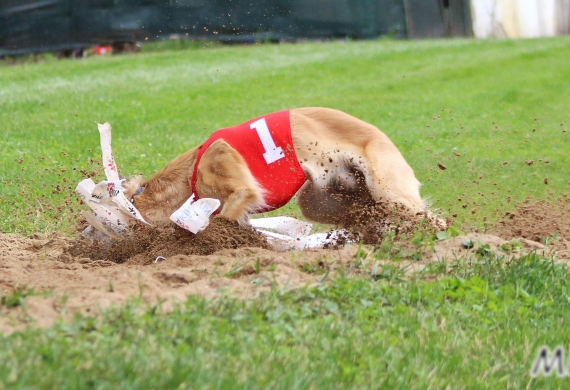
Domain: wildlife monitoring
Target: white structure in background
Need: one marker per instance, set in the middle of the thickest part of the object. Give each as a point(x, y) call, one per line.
point(520, 18)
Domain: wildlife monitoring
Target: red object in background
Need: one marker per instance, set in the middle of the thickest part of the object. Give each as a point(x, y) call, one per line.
point(99, 50)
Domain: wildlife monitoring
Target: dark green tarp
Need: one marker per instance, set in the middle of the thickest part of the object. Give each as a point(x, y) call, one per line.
point(42, 25)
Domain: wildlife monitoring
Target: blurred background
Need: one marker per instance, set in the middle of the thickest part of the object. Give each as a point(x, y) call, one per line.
point(70, 27)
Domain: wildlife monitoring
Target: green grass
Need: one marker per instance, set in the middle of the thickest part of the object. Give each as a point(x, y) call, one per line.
point(476, 325)
point(458, 324)
point(493, 102)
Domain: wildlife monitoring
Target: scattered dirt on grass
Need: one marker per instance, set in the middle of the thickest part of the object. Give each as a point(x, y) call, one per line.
point(535, 220)
point(455, 248)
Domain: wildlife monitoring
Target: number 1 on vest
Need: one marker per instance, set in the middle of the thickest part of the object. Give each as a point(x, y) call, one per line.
point(272, 151)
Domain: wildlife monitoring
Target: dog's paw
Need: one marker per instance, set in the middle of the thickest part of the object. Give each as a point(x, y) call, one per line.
point(439, 224)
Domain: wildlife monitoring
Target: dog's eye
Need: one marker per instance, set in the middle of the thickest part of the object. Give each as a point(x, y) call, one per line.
point(137, 192)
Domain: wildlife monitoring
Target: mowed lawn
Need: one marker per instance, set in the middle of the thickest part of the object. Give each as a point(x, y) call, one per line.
point(483, 109)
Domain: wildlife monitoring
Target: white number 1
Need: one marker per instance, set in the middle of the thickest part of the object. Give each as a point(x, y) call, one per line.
point(272, 151)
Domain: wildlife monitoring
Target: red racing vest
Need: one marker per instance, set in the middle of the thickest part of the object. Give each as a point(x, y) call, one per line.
point(266, 145)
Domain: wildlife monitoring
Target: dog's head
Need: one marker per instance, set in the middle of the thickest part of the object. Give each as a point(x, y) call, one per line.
point(156, 199)
point(135, 187)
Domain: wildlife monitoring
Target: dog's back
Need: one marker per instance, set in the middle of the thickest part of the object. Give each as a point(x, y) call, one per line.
point(331, 145)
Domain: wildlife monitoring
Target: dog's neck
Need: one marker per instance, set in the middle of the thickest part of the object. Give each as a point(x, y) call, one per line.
point(170, 187)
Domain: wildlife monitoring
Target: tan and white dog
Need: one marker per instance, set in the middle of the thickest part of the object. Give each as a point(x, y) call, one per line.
point(344, 162)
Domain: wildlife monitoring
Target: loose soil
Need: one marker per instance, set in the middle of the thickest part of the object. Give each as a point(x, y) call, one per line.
point(167, 264)
point(145, 244)
point(536, 220)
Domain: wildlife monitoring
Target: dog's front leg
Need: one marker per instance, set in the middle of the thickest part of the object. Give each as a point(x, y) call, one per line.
point(223, 174)
point(238, 205)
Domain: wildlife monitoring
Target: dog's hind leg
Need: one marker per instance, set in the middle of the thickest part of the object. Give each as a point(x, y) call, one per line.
point(390, 179)
point(333, 201)
point(314, 200)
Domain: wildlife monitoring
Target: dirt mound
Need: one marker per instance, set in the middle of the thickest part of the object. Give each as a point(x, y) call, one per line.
point(56, 284)
point(145, 244)
point(61, 276)
point(535, 220)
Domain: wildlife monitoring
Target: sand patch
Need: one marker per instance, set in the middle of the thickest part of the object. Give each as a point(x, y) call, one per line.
point(87, 285)
point(536, 220)
point(80, 276)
